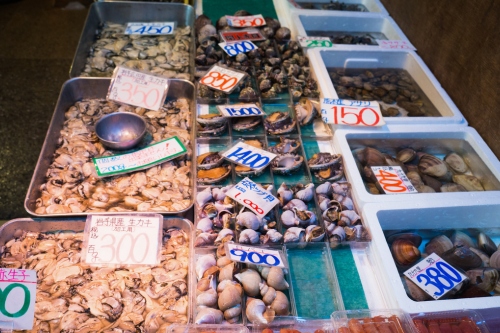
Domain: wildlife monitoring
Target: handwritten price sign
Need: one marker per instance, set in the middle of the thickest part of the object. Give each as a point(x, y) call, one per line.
point(249, 156)
point(150, 28)
point(253, 196)
point(236, 48)
point(245, 21)
point(240, 110)
point(132, 239)
point(393, 180)
point(137, 88)
point(352, 113)
point(222, 78)
point(155, 154)
point(17, 297)
point(234, 36)
point(395, 44)
point(310, 42)
point(435, 276)
point(255, 255)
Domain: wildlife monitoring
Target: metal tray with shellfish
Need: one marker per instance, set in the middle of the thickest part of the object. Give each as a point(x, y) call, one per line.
point(65, 181)
point(103, 44)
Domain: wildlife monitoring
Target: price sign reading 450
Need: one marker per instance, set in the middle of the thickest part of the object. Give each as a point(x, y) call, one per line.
point(17, 297)
point(255, 255)
point(393, 180)
point(150, 28)
point(435, 276)
point(222, 78)
point(352, 113)
point(245, 21)
point(137, 88)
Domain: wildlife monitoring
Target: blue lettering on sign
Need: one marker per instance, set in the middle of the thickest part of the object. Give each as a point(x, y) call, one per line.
point(243, 111)
point(442, 277)
point(256, 258)
point(248, 158)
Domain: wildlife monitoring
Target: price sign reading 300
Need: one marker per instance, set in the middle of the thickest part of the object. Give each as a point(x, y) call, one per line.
point(352, 113)
point(222, 78)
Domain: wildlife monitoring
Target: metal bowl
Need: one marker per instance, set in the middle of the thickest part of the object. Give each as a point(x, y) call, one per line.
point(120, 130)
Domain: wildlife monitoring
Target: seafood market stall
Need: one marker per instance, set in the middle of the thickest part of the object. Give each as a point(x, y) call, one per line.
point(235, 174)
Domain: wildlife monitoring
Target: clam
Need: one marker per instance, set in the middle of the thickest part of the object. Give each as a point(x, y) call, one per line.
point(305, 111)
point(306, 194)
point(323, 160)
point(452, 187)
point(214, 175)
point(286, 163)
point(484, 278)
point(276, 279)
point(250, 279)
point(406, 155)
point(249, 236)
point(284, 194)
point(279, 123)
point(314, 233)
point(242, 124)
point(485, 243)
point(414, 178)
point(456, 163)
point(438, 245)
point(413, 291)
point(416, 239)
point(294, 235)
point(484, 257)
point(299, 204)
point(404, 252)
point(461, 238)
point(470, 183)
point(424, 189)
point(285, 146)
point(370, 157)
point(495, 260)
point(462, 257)
point(209, 160)
point(432, 166)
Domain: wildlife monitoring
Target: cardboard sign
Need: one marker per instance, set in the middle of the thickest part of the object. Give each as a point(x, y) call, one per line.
point(234, 36)
point(393, 180)
point(17, 297)
point(310, 42)
point(395, 44)
point(240, 110)
point(128, 239)
point(253, 196)
point(150, 28)
point(137, 88)
point(222, 78)
point(255, 255)
point(235, 48)
point(249, 156)
point(245, 21)
point(351, 113)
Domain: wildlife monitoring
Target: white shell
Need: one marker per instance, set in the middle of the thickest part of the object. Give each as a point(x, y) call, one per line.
point(204, 224)
point(207, 298)
point(223, 233)
point(349, 217)
point(276, 279)
point(220, 193)
point(250, 280)
point(203, 197)
point(341, 188)
point(280, 305)
point(294, 234)
point(248, 220)
point(325, 188)
point(295, 203)
point(285, 194)
point(203, 263)
point(208, 316)
point(306, 194)
point(274, 235)
point(229, 297)
point(288, 218)
point(255, 311)
point(249, 236)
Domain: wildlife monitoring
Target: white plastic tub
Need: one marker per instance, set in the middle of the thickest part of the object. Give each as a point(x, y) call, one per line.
point(372, 6)
point(441, 217)
point(322, 60)
point(436, 140)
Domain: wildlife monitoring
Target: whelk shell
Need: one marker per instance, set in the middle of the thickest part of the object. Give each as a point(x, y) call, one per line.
point(306, 194)
point(255, 311)
point(229, 297)
point(299, 204)
point(294, 235)
point(250, 279)
point(249, 236)
point(276, 279)
point(285, 194)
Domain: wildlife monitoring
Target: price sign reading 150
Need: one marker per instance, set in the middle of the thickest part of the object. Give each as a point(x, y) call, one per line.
point(352, 113)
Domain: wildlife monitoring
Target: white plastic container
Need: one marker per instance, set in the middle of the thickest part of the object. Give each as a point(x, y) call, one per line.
point(372, 6)
point(440, 216)
point(436, 140)
point(350, 22)
point(322, 60)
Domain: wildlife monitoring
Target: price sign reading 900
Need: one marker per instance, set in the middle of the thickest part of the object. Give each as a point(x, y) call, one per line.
point(222, 78)
point(352, 113)
point(393, 180)
point(255, 255)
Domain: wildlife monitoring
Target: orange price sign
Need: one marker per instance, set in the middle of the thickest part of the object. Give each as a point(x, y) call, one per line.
point(393, 180)
point(222, 78)
point(245, 21)
point(351, 113)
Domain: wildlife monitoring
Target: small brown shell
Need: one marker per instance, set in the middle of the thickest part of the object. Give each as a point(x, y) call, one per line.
point(456, 163)
point(438, 245)
point(432, 166)
point(404, 252)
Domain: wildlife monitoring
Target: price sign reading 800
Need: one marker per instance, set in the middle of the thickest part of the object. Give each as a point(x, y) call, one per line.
point(235, 48)
point(255, 255)
point(435, 276)
point(221, 78)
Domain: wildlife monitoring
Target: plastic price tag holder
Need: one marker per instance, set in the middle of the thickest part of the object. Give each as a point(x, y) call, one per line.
point(239, 35)
point(248, 156)
point(253, 196)
point(245, 21)
point(435, 276)
point(235, 48)
point(137, 88)
point(256, 255)
point(393, 180)
point(222, 78)
point(122, 239)
point(310, 42)
point(17, 298)
point(395, 44)
point(150, 28)
point(351, 113)
point(240, 110)
point(141, 159)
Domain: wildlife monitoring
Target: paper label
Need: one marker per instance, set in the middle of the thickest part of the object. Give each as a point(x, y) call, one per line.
point(128, 239)
point(245, 21)
point(235, 48)
point(393, 180)
point(147, 157)
point(255, 255)
point(253, 196)
point(234, 36)
point(395, 44)
point(150, 28)
point(240, 110)
point(249, 156)
point(137, 88)
point(352, 113)
point(222, 78)
point(435, 276)
point(17, 297)
point(310, 42)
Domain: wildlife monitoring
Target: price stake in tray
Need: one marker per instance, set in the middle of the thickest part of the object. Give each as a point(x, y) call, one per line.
point(435, 276)
point(393, 180)
point(137, 88)
point(239, 35)
point(395, 44)
point(17, 297)
point(310, 42)
point(240, 110)
point(253, 196)
point(150, 28)
point(128, 239)
point(235, 48)
point(222, 78)
point(245, 21)
point(255, 255)
point(352, 113)
point(145, 158)
point(249, 156)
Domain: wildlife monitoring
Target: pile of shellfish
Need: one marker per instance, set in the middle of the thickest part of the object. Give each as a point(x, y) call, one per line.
point(289, 157)
point(212, 168)
point(426, 172)
point(470, 251)
point(166, 55)
point(75, 297)
point(72, 184)
point(327, 166)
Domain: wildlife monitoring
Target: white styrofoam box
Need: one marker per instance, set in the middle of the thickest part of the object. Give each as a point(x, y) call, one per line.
point(435, 217)
point(437, 140)
point(373, 6)
point(321, 60)
point(333, 21)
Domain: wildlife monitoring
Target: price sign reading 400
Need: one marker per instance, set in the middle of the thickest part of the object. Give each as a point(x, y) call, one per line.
point(17, 297)
point(222, 78)
point(351, 113)
point(393, 180)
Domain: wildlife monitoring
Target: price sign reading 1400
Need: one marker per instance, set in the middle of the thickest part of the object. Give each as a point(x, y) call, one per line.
point(222, 78)
point(17, 297)
point(255, 255)
point(393, 180)
point(352, 113)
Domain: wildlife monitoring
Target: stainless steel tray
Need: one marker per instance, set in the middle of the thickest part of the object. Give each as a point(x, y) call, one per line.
point(74, 90)
point(123, 12)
